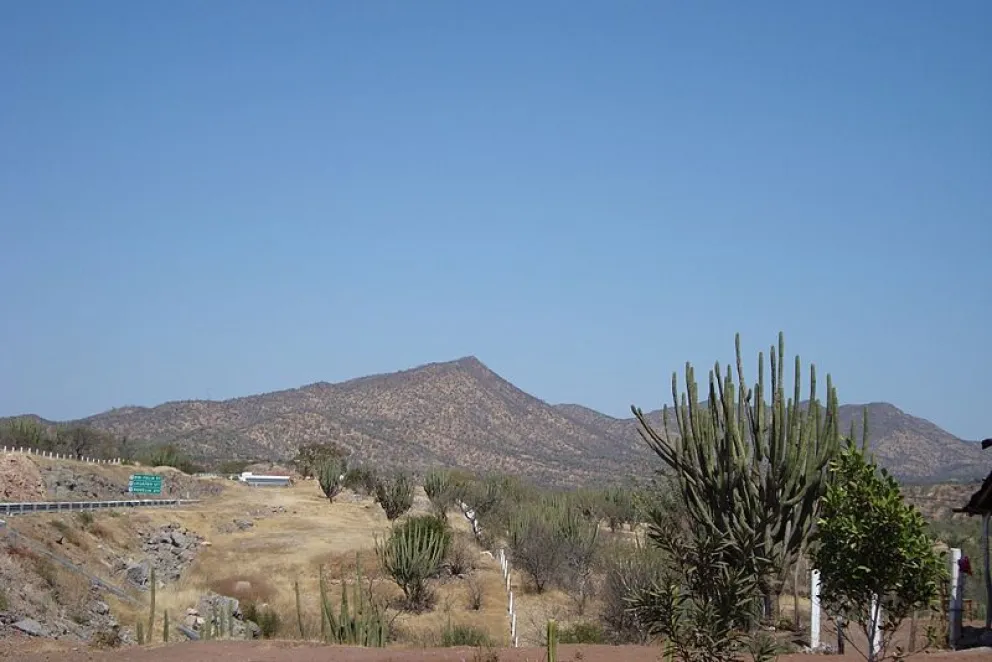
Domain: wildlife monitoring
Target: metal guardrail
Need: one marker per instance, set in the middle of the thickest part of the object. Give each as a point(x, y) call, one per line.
point(28, 507)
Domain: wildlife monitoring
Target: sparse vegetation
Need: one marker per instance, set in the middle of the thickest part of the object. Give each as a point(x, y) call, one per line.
point(169, 455)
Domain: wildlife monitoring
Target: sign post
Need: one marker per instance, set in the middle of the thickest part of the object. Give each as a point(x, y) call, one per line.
point(144, 484)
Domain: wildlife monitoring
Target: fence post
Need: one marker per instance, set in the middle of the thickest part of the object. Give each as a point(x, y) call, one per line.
point(954, 603)
point(876, 617)
point(814, 610)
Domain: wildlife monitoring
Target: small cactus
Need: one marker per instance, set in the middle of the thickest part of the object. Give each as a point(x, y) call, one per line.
point(165, 627)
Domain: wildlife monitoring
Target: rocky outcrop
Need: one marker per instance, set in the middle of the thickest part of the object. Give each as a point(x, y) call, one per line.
point(223, 616)
point(169, 551)
point(20, 479)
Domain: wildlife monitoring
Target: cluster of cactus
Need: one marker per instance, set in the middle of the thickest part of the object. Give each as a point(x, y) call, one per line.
point(219, 622)
point(394, 492)
point(442, 490)
point(359, 622)
point(330, 475)
point(413, 553)
point(750, 470)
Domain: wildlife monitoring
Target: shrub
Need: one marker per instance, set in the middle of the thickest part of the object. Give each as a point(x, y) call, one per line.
point(4, 600)
point(627, 571)
point(330, 475)
point(550, 541)
point(464, 635)
point(475, 594)
point(361, 480)
point(582, 633)
point(460, 557)
point(85, 518)
point(395, 494)
point(265, 617)
point(170, 456)
point(412, 554)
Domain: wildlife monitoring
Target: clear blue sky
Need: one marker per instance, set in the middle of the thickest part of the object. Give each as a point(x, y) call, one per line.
point(228, 197)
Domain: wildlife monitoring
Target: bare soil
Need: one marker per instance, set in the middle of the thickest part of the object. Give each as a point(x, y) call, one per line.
point(274, 651)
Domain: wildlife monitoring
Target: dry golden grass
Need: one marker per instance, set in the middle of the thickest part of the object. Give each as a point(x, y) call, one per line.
point(262, 563)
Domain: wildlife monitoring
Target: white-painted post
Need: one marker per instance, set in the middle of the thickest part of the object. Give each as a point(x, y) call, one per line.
point(507, 581)
point(876, 616)
point(516, 642)
point(814, 610)
point(513, 626)
point(510, 608)
point(954, 604)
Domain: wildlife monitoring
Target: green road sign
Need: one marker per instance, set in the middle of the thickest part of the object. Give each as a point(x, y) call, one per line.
point(145, 484)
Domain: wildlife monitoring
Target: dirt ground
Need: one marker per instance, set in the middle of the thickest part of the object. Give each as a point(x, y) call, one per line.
point(292, 652)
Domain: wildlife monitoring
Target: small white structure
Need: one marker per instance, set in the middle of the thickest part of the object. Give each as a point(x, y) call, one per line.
point(254, 480)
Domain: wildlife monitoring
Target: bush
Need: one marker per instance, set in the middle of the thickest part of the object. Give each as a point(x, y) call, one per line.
point(361, 480)
point(464, 635)
point(627, 571)
point(170, 456)
point(4, 600)
point(582, 633)
point(551, 542)
point(413, 554)
point(85, 518)
point(395, 494)
point(266, 618)
point(460, 557)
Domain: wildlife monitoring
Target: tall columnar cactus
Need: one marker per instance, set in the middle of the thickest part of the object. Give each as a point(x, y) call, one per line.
point(751, 470)
point(151, 607)
point(330, 475)
point(360, 621)
point(552, 641)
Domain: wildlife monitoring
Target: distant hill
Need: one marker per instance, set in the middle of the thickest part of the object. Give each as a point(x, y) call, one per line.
point(911, 448)
point(461, 413)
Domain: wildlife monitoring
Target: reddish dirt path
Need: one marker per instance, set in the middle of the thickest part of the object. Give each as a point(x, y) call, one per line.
point(291, 652)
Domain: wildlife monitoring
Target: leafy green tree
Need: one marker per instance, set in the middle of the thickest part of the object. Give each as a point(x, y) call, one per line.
point(873, 551)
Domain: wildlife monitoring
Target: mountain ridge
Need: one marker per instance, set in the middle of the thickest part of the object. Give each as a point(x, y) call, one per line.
point(462, 413)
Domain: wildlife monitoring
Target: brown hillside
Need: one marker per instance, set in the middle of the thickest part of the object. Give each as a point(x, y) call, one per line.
point(455, 413)
point(461, 413)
